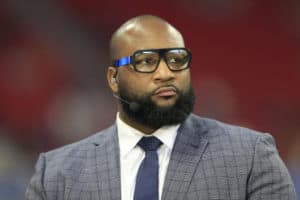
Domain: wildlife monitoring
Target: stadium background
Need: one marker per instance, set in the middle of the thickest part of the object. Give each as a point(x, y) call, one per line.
point(54, 55)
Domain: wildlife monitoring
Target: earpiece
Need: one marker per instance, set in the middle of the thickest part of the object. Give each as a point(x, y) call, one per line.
point(113, 78)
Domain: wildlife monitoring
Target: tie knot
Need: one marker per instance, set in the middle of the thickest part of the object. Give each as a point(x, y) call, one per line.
point(149, 143)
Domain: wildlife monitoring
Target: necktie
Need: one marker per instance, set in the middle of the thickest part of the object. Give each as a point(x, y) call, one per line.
point(147, 177)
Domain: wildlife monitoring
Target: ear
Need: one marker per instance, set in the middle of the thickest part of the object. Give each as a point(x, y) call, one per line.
point(111, 79)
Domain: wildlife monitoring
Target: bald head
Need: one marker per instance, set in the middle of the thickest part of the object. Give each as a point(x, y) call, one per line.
point(143, 32)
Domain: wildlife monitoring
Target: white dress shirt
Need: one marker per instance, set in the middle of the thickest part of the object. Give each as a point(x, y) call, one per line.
point(131, 155)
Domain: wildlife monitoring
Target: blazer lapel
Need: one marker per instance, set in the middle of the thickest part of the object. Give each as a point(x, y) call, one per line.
point(186, 154)
point(108, 165)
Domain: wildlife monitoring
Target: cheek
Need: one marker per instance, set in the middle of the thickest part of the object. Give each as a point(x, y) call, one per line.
point(135, 84)
point(184, 81)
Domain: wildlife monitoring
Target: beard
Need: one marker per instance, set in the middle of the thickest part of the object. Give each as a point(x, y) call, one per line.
point(146, 112)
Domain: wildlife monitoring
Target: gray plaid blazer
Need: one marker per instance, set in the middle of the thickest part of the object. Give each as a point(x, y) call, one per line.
point(210, 160)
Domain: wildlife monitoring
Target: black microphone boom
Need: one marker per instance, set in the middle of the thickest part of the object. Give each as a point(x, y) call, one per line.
point(134, 106)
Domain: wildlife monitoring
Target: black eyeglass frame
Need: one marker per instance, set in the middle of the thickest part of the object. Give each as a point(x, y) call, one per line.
point(161, 52)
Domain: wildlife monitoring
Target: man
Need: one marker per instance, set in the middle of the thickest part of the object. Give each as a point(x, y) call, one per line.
point(157, 149)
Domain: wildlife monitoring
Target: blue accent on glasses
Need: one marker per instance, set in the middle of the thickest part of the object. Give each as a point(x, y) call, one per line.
point(122, 61)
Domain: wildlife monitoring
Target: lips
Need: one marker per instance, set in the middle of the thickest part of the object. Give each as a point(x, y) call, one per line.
point(165, 91)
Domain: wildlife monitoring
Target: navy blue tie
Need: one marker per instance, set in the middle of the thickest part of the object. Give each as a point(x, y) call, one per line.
point(147, 177)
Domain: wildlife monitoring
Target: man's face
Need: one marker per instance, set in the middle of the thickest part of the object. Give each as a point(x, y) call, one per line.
point(164, 92)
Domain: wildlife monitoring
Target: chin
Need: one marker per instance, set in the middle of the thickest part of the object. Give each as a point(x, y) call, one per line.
point(166, 105)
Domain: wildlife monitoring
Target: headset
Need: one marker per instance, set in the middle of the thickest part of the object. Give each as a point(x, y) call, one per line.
point(113, 79)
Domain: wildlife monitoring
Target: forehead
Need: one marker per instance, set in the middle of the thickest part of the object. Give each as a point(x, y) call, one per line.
point(149, 36)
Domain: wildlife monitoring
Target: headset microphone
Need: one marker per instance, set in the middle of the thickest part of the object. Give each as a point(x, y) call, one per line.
point(134, 106)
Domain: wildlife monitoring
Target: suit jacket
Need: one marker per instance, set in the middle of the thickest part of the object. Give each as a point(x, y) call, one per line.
point(210, 160)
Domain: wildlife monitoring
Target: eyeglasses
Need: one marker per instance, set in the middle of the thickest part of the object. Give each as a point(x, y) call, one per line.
point(147, 61)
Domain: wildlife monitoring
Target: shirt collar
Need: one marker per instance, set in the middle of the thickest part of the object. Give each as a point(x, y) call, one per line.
point(129, 136)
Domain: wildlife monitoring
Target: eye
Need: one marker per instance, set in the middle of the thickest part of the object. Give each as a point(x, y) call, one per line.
point(177, 60)
point(146, 60)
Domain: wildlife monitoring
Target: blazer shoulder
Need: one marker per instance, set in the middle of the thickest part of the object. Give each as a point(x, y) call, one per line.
point(220, 132)
point(235, 141)
point(251, 155)
point(63, 166)
point(78, 150)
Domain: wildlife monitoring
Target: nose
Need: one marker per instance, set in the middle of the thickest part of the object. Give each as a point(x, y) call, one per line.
point(163, 73)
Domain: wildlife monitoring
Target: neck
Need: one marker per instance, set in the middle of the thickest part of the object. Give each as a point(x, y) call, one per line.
point(131, 122)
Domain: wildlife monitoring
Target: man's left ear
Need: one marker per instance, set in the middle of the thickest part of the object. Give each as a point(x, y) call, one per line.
point(112, 79)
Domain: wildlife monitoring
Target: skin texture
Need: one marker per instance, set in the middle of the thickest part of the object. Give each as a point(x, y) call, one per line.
point(146, 32)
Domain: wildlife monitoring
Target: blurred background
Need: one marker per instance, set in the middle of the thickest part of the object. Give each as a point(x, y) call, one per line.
point(54, 55)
